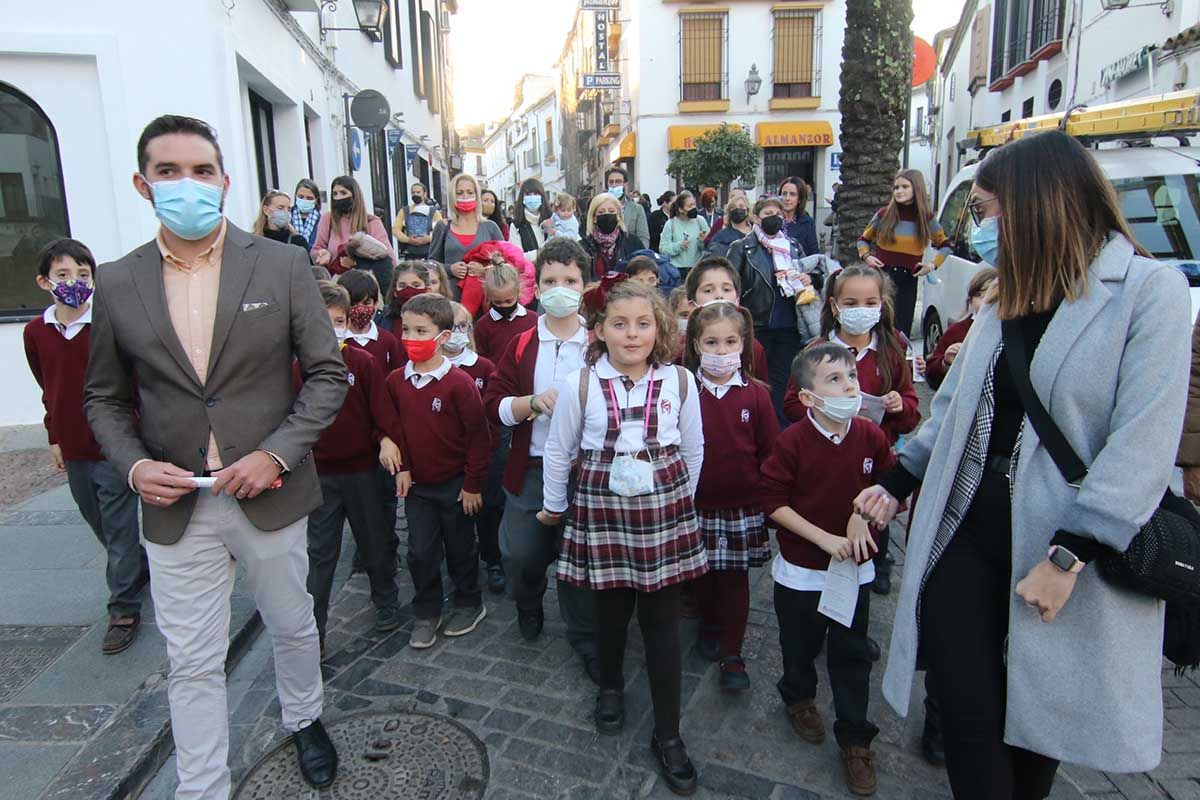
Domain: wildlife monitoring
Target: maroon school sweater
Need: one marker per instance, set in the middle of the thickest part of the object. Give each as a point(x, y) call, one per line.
point(492, 336)
point(442, 430)
point(739, 430)
point(351, 442)
point(59, 366)
point(388, 351)
point(819, 481)
point(514, 378)
point(903, 421)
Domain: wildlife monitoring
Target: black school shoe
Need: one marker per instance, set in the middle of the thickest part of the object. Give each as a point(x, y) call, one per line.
point(317, 757)
point(530, 623)
point(733, 675)
point(610, 711)
point(496, 582)
point(674, 764)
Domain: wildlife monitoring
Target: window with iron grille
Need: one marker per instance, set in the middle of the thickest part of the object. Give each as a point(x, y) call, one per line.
point(999, 27)
point(1047, 23)
point(703, 43)
point(1018, 34)
point(797, 54)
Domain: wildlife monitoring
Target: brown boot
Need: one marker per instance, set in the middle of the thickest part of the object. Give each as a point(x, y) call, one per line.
point(806, 721)
point(120, 634)
point(860, 770)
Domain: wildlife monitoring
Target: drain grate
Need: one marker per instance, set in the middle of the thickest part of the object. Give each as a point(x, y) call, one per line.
point(26, 651)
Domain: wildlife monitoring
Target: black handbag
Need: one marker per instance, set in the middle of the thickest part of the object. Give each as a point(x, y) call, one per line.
point(1163, 560)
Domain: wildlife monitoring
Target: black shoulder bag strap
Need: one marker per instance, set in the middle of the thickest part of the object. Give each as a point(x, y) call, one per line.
point(1065, 457)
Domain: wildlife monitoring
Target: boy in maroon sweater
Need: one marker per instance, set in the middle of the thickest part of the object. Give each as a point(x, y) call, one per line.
point(348, 456)
point(446, 447)
point(817, 468)
point(56, 346)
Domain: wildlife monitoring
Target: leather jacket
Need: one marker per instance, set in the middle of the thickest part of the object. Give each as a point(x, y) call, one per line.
point(756, 270)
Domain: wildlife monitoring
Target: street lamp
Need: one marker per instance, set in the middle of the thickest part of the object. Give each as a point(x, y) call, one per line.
point(607, 104)
point(753, 82)
point(369, 13)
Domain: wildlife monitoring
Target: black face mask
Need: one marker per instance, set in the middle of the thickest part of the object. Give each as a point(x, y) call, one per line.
point(693, 212)
point(505, 311)
point(738, 216)
point(343, 205)
point(606, 223)
point(417, 199)
point(771, 225)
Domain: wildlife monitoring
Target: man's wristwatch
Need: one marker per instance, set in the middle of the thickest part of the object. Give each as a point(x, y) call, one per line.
point(1065, 560)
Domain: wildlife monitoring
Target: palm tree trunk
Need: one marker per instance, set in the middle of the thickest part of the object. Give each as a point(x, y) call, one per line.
point(876, 81)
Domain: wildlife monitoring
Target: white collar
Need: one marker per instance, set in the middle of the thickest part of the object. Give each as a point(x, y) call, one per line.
point(546, 335)
point(49, 318)
point(436, 374)
point(830, 435)
point(370, 334)
point(606, 371)
point(858, 356)
point(520, 312)
point(466, 358)
point(736, 380)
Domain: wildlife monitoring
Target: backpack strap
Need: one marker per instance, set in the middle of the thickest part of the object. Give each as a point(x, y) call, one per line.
point(523, 342)
point(585, 384)
point(683, 386)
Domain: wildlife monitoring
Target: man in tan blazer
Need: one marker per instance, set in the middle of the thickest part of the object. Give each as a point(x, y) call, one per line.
point(206, 321)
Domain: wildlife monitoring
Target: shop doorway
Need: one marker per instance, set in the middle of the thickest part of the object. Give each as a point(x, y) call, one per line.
point(782, 162)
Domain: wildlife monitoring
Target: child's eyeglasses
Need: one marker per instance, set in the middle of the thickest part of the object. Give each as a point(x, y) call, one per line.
point(976, 209)
point(461, 327)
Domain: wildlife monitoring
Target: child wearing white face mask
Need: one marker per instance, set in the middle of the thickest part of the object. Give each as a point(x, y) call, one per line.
point(459, 350)
point(808, 489)
point(739, 428)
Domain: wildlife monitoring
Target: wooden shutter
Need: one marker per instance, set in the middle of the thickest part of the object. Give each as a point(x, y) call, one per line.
point(702, 39)
point(794, 46)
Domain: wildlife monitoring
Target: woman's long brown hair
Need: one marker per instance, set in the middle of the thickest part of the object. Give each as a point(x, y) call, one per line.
point(1056, 209)
point(887, 340)
point(358, 214)
point(885, 231)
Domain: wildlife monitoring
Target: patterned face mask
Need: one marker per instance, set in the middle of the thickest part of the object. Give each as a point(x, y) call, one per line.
point(72, 293)
point(361, 316)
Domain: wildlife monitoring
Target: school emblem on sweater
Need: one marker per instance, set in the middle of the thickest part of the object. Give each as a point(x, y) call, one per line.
point(350, 378)
point(437, 404)
point(479, 384)
point(868, 466)
point(745, 415)
point(665, 406)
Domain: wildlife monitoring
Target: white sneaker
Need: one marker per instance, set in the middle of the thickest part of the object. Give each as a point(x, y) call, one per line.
point(464, 620)
point(424, 633)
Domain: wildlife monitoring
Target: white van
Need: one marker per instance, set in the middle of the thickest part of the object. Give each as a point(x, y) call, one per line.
point(1159, 192)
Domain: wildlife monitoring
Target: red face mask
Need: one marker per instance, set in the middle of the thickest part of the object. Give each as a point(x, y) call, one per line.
point(406, 294)
point(420, 350)
point(466, 206)
point(361, 316)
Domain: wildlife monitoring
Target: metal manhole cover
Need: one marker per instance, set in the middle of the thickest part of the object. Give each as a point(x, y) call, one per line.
point(26, 650)
point(381, 756)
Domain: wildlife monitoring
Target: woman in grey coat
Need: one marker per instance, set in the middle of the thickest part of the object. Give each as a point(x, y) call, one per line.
point(1035, 660)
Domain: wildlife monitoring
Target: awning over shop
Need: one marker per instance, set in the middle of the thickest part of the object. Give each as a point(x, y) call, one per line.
point(681, 137)
point(793, 134)
point(628, 146)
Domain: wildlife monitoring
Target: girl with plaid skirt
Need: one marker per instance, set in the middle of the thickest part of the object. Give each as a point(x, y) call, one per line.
point(633, 421)
point(740, 427)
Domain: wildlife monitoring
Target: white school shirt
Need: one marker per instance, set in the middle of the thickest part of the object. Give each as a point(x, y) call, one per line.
point(519, 312)
point(369, 335)
point(858, 356)
point(678, 424)
point(466, 358)
point(803, 579)
point(718, 390)
point(556, 359)
point(69, 332)
point(423, 379)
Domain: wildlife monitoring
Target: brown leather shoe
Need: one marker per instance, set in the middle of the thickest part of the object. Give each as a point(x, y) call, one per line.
point(806, 721)
point(121, 633)
point(860, 770)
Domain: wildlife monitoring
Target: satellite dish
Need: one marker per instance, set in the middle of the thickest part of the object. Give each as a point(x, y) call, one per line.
point(370, 111)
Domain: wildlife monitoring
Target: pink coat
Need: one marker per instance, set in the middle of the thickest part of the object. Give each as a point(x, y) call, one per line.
point(331, 240)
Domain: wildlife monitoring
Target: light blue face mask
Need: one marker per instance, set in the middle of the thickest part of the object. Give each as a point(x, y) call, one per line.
point(985, 239)
point(188, 208)
point(305, 205)
point(617, 191)
point(533, 202)
point(560, 301)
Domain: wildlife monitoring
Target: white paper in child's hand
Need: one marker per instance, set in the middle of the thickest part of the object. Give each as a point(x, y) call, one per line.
point(872, 408)
point(839, 598)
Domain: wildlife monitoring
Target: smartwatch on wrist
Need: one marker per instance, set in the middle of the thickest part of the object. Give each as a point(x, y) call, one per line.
point(1064, 559)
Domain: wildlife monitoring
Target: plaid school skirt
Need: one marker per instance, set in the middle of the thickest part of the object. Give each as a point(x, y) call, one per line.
point(645, 543)
point(736, 538)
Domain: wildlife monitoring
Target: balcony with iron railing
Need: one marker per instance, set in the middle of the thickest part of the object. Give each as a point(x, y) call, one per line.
point(1046, 36)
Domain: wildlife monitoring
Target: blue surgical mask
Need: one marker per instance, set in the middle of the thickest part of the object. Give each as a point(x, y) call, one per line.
point(305, 206)
point(560, 301)
point(188, 208)
point(985, 239)
point(617, 191)
point(533, 202)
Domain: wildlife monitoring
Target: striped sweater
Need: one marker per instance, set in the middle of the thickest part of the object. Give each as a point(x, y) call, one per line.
point(905, 249)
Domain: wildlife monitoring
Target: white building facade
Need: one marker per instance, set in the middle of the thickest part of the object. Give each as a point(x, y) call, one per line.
point(770, 68)
point(76, 96)
point(1012, 59)
point(525, 144)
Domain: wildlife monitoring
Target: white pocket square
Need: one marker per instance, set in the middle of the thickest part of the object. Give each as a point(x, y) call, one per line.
point(254, 306)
